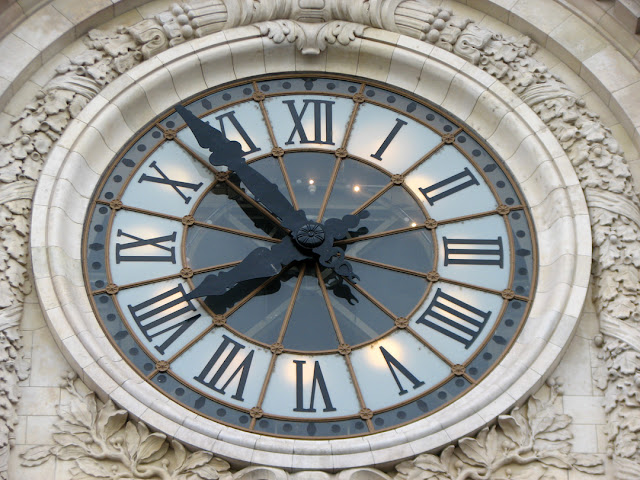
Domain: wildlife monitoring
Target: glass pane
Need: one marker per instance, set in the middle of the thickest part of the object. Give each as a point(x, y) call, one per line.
point(398, 292)
point(412, 250)
point(358, 318)
point(355, 184)
point(207, 247)
point(309, 174)
point(310, 326)
point(261, 317)
point(224, 207)
point(395, 209)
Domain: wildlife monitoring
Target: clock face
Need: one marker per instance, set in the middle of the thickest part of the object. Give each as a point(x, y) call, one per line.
point(365, 264)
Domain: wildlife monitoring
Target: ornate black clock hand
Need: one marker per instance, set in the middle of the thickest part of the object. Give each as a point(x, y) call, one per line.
point(306, 234)
point(333, 257)
point(260, 263)
point(229, 153)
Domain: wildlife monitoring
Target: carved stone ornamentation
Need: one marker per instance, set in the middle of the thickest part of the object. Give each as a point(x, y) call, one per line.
point(104, 443)
point(604, 175)
point(534, 436)
point(311, 38)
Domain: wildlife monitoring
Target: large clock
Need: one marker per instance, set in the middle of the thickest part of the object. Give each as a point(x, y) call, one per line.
point(309, 256)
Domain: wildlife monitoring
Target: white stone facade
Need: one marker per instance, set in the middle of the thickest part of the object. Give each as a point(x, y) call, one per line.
point(583, 53)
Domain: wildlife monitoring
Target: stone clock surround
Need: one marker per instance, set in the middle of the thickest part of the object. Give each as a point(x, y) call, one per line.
point(532, 153)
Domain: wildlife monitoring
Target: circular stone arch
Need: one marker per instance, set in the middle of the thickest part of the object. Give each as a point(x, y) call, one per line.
point(534, 157)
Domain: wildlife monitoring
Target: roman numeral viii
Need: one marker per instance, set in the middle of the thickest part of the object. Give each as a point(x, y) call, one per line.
point(454, 318)
point(463, 251)
point(322, 109)
point(317, 381)
point(175, 184)
point(218, 373)
point(163, 253)
point(167, 312)
point(449, 186)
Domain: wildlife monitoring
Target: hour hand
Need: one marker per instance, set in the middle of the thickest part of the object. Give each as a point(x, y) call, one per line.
point(260, 263)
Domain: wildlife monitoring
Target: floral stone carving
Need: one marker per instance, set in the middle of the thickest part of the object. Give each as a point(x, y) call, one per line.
point(595, 154)
point(534, 435)
point(104, 443)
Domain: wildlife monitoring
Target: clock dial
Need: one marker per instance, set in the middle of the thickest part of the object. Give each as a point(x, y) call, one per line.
point(359, 262)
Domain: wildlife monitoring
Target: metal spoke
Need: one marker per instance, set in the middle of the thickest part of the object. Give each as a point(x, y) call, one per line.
point(283, 329)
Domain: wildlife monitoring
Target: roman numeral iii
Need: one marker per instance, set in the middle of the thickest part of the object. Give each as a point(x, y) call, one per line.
point(454, 318)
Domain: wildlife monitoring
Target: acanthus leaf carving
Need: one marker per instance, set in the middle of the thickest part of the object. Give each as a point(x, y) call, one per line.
point(104, 443)
point(534, 435)
point(311, 38)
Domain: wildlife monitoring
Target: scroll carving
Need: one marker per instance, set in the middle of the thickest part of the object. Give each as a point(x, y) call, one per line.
point(310, 38)
point(595, 154)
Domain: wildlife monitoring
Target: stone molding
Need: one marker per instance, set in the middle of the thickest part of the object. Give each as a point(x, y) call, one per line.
point(135, 97)
point(616, 220)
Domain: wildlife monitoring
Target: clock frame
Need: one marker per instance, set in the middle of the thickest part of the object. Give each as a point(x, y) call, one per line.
point(475, 329)
point(529, 150)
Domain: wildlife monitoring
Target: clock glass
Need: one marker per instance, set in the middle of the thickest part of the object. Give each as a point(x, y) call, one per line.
point(310, 256)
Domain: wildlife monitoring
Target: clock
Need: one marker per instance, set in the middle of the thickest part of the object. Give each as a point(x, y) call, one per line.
point(309, 256)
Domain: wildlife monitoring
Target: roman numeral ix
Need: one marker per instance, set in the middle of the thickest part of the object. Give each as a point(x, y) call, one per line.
point(168, 256)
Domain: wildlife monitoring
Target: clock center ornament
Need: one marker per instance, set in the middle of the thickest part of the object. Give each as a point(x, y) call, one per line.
point(318, 257)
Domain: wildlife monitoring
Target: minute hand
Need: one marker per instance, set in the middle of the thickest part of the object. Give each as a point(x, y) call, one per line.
point(229, 153)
